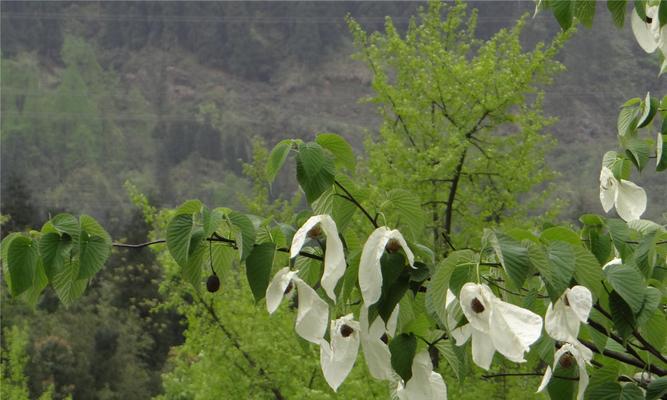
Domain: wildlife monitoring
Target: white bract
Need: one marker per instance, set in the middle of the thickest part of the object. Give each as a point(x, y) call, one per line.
point(648, 32)
point(313, 312)
point(370, 274)
point(424, 384)
point(615, 261)
point(454, 313)
point(334, 257)
point(376, 351)
point(496, 326)
point(337, 358)
point(628, 198)
point(563, 318)
point(581, 354)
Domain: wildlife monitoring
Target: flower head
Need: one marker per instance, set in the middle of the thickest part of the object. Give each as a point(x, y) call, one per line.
point(374, 344)
point(337, 358)
point(313, 312)
point(424, 384)
point(648, 32)
point(628, 198)
point(572, 308)
point(496, 326)
point(569, 351)
point(334, 257)
point(370, 275)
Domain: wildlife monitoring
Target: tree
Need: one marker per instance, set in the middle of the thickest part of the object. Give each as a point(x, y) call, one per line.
point(600, 287)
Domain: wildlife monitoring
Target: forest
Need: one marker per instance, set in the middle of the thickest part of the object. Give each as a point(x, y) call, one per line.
point(478, 130)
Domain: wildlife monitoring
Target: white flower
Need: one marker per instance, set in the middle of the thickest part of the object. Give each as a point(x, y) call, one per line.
point(454, 313)
point(563, 318)
point(615, 261)
point(424, 384)
point(334, 257)
point(629, 199)
point(370, 275)
point(313, 312)
point(337, 358)
point(565, 355)
point(373, 343)
point(648, 33)
point(496, 326)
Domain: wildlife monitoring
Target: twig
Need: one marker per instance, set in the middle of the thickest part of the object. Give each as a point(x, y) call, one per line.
point(356, 203)
point(489, 376)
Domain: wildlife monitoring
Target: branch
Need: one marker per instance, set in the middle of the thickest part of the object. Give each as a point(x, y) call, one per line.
point(275, 390)
point(354, 201)
point(625, 359)
point(567, 378)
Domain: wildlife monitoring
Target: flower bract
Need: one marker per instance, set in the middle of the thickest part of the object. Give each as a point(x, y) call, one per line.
point(563, 318)
point(425, 384)
point(628, 198)
point(376, 351)
point(581, 354)
point(313, 312)
point(496, 326)
point(337, 358)
point(334, 256)
point(370, 274)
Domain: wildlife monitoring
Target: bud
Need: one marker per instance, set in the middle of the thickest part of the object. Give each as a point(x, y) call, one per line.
point(314, 232)
point(384, 338)
point(477, 306)
point(392, 246)
point(648, 19)
point(567, 360)
point(566, 301)
point(289, 287)
point(213, 283)
point(346, 330)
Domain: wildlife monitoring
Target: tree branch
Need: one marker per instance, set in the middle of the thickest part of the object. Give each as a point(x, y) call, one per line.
point(489, 376)
point(624, 358)
point(354, 201)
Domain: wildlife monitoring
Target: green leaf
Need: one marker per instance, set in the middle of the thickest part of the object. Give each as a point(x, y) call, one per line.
point(661, 151)
point(211, 220)
point(662, 13)
point(511, 255)
point(339, 147)
point(563, 389)
point(315, 171)
point(561, 264)
point(585, 11)
point(246, 240)
point(617, 9)
point(628, 117)
point(637, 150)
point(629, 284)
point(649, 109)
point(395, 282)
point(619, 165)
point(258, 268)
point(190, 207)
point(66, 223)
point(644, 256)
point(587, 271)
point(53, 248)
point(22, 259)
point(640, 7)
point(93, 253)
point(179, 232)
point(408, 207)
point(655, 329)
point(658, 387)
point(403, 348)
point(192, 270)
point(455, 357)
point(652, 299)
point(616, 391)
point(561, 233)
point(437, 287)
point(620, 235)
point(621, 314)
point(277, 158)
point(564, 12)
point(65, 282)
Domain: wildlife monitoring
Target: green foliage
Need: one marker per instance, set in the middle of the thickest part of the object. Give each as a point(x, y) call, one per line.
point(457, 109)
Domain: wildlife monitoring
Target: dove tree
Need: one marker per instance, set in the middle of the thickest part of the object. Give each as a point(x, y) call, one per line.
point(584, 306)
